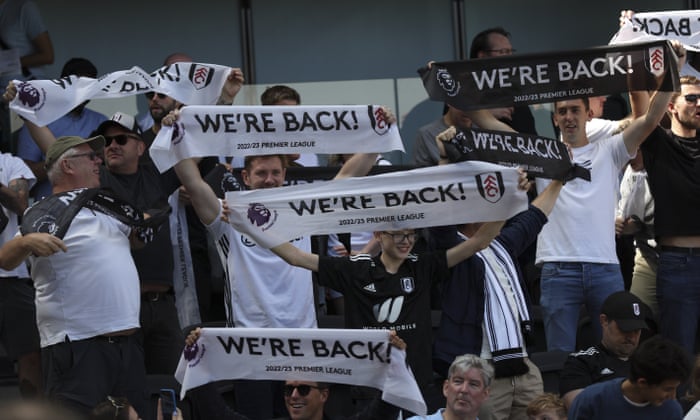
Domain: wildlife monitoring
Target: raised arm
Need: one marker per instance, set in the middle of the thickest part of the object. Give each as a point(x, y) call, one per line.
point(546, 199)
point(234, 81)
point(484, 119)
point(640, 128)
point(296, 257)
point(479, 241)
point(43, 137)
point(361, 163)
point(202, 197)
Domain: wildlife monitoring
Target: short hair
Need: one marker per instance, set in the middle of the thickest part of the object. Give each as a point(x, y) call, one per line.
point(658, 359)
point(481, 40)
point(586, 103)
point(79, 66)
point(685, 80)
point(468, 361)
point(248, 161)
point(544, 402)
point(54, 172)
point(275, 94)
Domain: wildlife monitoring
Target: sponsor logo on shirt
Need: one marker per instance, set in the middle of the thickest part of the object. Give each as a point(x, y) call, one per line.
point(389, 310)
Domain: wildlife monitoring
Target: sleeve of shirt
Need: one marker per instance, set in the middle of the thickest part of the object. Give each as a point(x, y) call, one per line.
point(18, 169)
point(424, 149)
point(522, 229)
point(583, 407)
point(31, 20)
point(576, 374)
point(333, 272)
point(26, 147)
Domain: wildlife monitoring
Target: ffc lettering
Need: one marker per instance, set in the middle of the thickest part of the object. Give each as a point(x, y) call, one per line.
point(656, 61)
point(201, 76)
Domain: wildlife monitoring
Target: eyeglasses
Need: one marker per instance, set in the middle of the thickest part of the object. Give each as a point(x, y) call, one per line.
point(303, 390)
point(150, 95)
point(91, 155)
point(502, 51)
point(121, 139)
point(692, 98)
point(400, 237)
point(117, 403)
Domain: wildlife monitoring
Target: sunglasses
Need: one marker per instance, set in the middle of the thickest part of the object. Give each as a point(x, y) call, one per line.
point(150, 95)
point(120, 139)
point(692, 98)
point(303, 390)
point(91, 155)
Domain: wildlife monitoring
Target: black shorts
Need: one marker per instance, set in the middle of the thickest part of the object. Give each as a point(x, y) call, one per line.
point(84, 372)
point(18, 331)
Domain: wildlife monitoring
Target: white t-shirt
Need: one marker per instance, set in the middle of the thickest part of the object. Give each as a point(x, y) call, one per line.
point(598, 128)
point(93, 288)
point(581, 227)
point(12, 167)
point(265, 291)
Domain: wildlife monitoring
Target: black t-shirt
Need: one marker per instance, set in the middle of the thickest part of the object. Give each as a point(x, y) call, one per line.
point(375, 298)
point(590, 366)
point(148, 189)
point(674, 181)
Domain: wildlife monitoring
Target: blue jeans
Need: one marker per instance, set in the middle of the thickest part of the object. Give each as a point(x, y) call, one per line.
point(565, 286)
point(678, 293)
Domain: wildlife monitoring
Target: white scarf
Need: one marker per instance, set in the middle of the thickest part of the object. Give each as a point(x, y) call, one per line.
point(356, 357)
point(681, 25)
point(458, 193)
point(264, 130)
point(44, 101)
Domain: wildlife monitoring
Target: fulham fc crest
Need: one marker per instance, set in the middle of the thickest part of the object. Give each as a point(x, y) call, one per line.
point(407, 284)
point(490, 185)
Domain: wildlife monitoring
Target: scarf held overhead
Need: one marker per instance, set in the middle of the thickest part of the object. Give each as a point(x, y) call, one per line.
point(444, 195)
point(680, 25)
point(44, 101)
point(356, 357)
point(525, 79)
point(264, 130)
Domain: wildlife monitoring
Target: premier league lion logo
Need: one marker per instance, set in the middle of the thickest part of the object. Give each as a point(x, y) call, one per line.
point(28, 95)
point(258, 214)
point(447, 83)
point(191, 352)
point(178, 133)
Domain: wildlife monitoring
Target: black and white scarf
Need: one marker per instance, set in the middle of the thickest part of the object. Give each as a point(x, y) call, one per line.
point(54, 214)
point(502, 325)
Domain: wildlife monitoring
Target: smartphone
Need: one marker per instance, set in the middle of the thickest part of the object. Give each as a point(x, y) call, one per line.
point(168, 403)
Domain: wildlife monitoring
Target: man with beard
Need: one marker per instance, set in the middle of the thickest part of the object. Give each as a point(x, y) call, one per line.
point(622, 319)
point(671, 160)
point(465, 389)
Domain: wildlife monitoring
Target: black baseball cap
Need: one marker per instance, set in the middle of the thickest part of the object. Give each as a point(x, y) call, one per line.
point(627, 310)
